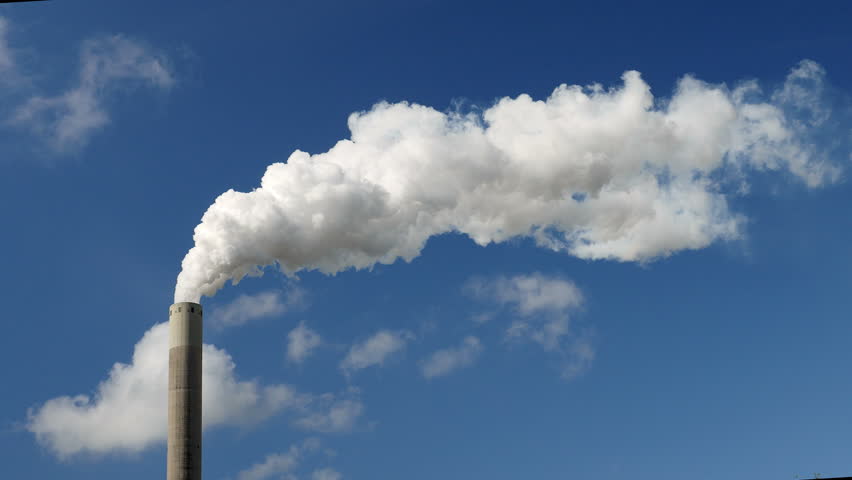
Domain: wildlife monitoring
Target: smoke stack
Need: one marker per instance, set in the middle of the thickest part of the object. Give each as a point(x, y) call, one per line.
point(184, 447)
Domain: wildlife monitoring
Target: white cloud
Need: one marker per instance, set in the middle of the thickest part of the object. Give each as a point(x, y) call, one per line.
point(7, 59)
point(128, 410)
point(542, 307)
point(579, 355)
point(246, 308)
point(803, 90)
point(530, 294)
point(301, 341)
point(542, 303)
point(445, 361)
point(482, 317)
point(274, 464)
point(374, 350)
point(279, 465)
point(597, 173)
point(333, 413)
point(13, 79)
point(326, 474)
point(107, 64)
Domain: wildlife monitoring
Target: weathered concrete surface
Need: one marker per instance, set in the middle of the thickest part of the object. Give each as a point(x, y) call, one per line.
point(185, 340)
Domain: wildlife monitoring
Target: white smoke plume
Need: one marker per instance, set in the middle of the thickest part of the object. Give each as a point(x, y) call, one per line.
point(597, 173)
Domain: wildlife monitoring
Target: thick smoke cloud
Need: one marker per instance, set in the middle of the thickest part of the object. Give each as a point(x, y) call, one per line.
point(597, 173)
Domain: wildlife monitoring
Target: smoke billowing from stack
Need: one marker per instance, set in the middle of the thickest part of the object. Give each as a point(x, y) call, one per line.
point(597, 173)
point(185, 344)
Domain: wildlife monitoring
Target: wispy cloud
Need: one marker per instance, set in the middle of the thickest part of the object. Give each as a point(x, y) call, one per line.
point(280, 465)
point(579, 355)
point(374, 350)
point(301, 342)
point(541, 307)
point(326, 474)
point(802, 94)
point(246, 308)
point(529, 294)
point(107, 65)
point(333, 413)
point(7, 58)
point(13, 79)
point(286, 465)
point(447, 360)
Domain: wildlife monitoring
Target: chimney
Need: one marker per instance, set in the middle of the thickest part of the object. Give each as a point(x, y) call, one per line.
point(184, 447)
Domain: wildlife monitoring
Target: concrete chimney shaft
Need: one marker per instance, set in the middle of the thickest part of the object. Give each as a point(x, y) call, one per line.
point(184, 448)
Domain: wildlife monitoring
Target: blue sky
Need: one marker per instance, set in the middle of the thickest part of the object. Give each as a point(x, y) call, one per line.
point(715, 345)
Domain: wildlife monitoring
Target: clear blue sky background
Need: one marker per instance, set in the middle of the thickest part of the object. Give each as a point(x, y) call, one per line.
point(729, 362)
